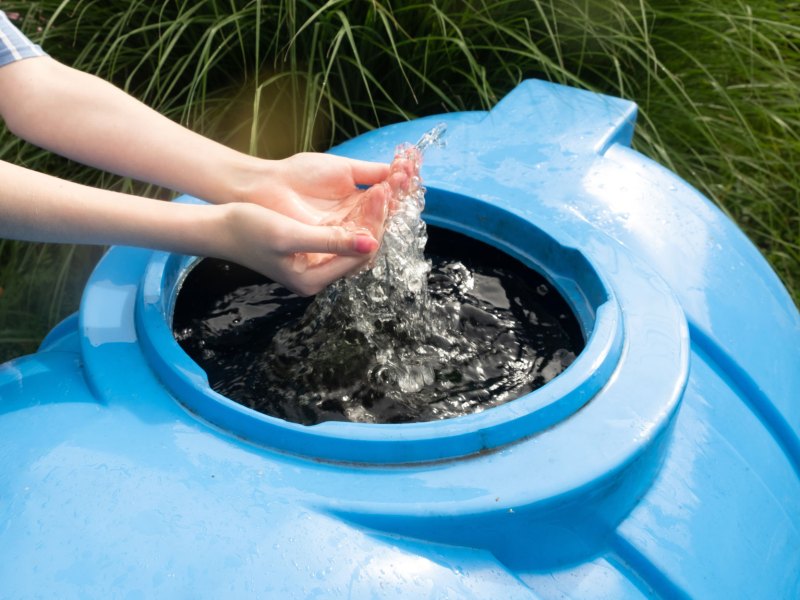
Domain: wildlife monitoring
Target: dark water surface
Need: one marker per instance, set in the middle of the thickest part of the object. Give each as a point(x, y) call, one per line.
point(501, 331)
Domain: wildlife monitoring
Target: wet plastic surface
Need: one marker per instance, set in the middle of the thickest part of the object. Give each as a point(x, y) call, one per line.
point(664, 462)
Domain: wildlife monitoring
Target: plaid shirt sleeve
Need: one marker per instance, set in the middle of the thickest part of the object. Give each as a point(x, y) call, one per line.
point(13, 44)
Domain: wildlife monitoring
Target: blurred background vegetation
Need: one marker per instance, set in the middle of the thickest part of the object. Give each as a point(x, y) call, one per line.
point(717, 83)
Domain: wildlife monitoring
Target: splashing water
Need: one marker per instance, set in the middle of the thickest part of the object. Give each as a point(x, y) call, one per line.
point(392, 296)
point(410, 339)
point(383, 316)
point(385, 327)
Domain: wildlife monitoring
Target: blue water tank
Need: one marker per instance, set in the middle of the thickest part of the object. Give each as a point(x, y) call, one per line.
point(664, 462)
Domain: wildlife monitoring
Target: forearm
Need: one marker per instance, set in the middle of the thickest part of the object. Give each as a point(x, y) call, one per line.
point(89, 120)
point(37, 207)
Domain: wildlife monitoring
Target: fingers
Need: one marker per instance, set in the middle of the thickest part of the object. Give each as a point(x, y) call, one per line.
point(368, 173)
point(331, 252)
point(316, 278)
point(399, 184)
point(405, 164)
point(373, 210)
point(369, 211)
point(313, 256)
point(329, 239)
point(402, 178)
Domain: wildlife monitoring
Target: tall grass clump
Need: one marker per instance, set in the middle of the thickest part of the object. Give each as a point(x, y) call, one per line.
point(717, 83)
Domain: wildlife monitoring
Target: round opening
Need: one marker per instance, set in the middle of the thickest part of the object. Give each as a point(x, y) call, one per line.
point(502, 330)
point(566, 270)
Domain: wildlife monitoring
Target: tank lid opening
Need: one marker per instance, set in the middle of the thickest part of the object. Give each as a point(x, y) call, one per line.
point(572, 303)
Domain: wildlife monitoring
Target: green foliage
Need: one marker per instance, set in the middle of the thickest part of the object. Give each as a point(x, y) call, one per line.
point(717, 83)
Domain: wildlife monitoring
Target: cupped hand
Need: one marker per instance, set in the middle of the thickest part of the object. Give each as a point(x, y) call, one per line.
point(317, 188)
point(303, 257)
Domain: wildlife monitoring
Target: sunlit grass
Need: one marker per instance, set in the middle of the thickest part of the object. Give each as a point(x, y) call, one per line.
point(717, 83)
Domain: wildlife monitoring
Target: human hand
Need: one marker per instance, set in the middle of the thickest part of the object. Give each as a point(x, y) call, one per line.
point(322, 189)
point(317, 188)
point(304, 258)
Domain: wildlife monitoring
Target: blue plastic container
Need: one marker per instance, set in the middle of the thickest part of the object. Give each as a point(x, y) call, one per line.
point(663, 462)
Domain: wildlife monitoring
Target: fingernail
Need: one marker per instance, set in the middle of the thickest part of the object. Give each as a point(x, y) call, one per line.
point(365, 244)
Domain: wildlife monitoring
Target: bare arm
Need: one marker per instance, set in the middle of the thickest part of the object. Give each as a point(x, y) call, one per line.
point(266, 207)
point(38, 207)
point(93, 122)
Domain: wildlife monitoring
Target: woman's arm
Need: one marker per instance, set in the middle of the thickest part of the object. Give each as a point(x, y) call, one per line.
point(38, 207)
point(93, 122)
point(262, 209)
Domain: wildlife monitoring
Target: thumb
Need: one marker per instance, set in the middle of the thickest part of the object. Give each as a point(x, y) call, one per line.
point(331, 239)
point(368, 173)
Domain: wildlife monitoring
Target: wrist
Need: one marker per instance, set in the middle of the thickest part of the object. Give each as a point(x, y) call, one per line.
point(215, 235)
point(245, 177)
point(192, 229)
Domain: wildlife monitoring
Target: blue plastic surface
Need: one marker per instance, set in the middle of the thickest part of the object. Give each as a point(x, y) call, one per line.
point(664, 462)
